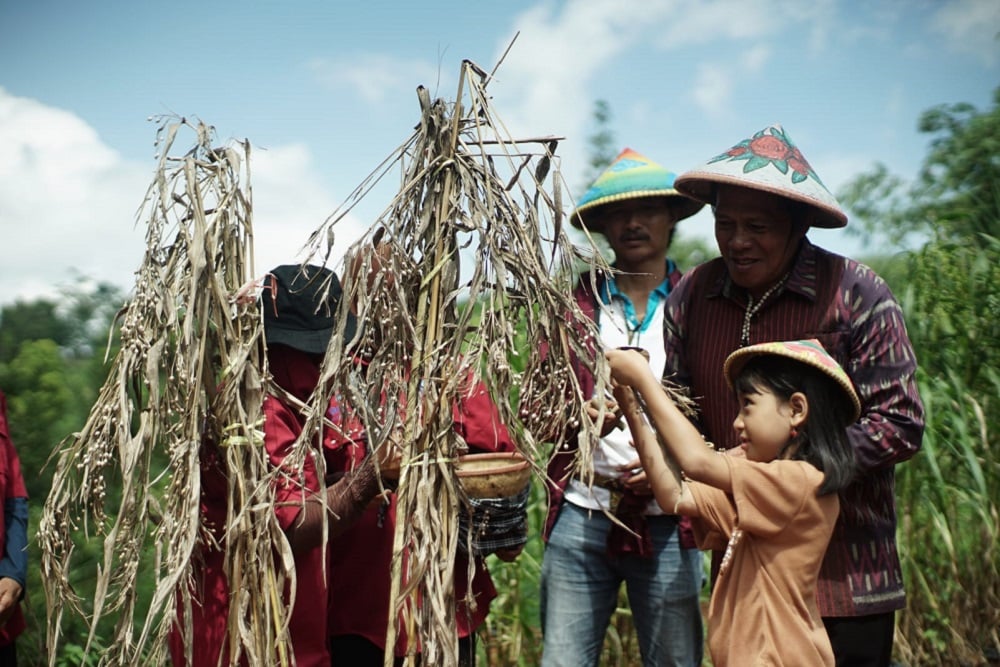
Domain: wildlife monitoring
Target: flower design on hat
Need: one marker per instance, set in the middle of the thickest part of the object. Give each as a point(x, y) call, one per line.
point(771, 147)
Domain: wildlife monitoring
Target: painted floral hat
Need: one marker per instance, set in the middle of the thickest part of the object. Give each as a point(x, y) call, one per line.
point(767, 161)
point(630, 176)
point(810, 352)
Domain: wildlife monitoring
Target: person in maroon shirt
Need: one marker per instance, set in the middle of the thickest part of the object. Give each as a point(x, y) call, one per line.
point(772, 284)
point(13, 541)
point(360, 565)
point(298, 325)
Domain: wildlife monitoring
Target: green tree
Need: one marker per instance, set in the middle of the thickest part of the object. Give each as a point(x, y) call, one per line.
point(51, 365)
point(31, 320)
point(39, 395)
point(950, 291)
point(957, 191)
point(601, 144)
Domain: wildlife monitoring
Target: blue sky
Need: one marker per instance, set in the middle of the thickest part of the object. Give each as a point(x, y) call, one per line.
point(325, 90)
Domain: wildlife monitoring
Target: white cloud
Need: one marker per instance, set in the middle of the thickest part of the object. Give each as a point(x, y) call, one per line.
point(713, 87)
point(692, 23)
point(970, 26)
point(375, 77)
point(714, 82)
point(544, 84)
point(756, 58)
point(68, 203)
point(290, 202)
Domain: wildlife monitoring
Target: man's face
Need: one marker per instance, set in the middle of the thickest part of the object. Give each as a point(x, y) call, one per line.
point(756, 235)
point(638, 229)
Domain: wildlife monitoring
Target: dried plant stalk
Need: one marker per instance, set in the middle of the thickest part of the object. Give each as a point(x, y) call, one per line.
point(190, 367)
point(468, 193)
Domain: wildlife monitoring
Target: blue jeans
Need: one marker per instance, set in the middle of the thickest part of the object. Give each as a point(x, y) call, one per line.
point(580, 585)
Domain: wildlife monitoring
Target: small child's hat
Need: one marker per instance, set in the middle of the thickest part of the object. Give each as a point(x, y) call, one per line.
point(809, 352)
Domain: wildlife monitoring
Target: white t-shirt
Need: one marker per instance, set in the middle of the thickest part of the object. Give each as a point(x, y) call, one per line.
point(615, 449)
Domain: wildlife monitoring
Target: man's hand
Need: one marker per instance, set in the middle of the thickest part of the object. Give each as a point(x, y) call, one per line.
point(390, 457)
point(612, 415)
point(634, 478)
point(10, 593)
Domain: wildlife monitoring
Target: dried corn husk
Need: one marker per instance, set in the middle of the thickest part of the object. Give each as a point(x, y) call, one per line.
point(190, 367)
point(468, 194)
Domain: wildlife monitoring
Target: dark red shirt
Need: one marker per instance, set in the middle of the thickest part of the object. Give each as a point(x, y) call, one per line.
point(361, 557)
point(11, 487)
point(283, 423)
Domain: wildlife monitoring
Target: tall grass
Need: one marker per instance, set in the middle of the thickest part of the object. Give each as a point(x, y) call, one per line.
point(948, 535)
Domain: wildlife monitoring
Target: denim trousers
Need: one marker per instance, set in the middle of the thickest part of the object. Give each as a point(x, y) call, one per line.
point(580, 584)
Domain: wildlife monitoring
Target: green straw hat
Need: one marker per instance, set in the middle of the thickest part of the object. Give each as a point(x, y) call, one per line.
point(631, 176)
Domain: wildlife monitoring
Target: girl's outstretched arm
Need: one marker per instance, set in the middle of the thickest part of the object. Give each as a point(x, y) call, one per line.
point(683, 441)
point(663, 475)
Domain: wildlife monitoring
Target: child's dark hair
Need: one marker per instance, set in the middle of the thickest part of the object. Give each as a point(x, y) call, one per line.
point(822, 439)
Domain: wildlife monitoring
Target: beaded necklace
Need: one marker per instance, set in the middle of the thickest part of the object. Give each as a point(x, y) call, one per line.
point(753, 307)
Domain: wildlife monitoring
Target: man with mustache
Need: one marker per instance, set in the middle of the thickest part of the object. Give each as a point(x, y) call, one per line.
point(588, 556)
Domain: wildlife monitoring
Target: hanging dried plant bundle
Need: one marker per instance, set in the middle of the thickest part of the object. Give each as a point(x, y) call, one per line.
point(429, 327)
point(190, 369)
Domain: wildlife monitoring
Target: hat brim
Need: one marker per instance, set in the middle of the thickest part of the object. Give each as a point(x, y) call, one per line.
point(586, 215)
point(701, 185)
point(736, 361)
point(313, 341)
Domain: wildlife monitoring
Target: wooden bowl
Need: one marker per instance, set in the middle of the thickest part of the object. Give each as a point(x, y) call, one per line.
point(493, 474)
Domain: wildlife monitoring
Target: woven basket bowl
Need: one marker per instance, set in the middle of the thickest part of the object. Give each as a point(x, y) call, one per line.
point(494, 474)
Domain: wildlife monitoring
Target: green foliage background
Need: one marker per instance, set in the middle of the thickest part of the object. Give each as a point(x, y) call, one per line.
point(52, 363)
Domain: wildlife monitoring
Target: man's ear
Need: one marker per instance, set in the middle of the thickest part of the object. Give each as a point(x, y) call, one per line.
point(799, 405)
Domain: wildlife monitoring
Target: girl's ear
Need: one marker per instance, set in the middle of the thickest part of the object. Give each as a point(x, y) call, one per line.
point(799, 405)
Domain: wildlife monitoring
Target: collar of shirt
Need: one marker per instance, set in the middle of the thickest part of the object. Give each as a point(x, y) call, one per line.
point(801, 280)
point(607, 290)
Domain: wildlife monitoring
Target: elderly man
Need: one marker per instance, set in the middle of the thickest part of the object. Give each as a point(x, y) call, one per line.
point(588, 556)
point(772, 284)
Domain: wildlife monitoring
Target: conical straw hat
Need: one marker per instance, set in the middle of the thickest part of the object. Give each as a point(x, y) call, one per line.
point(631, 176)
point(810, 352)
point(767, 161)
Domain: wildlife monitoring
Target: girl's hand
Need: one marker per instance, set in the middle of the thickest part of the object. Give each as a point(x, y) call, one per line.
point(628, 367)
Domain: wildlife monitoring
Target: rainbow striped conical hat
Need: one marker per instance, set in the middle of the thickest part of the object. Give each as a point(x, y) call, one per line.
point(810, 352)
point(630, 176)
point(767, 161)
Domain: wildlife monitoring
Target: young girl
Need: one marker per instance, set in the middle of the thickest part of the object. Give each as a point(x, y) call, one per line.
point(772, 506)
